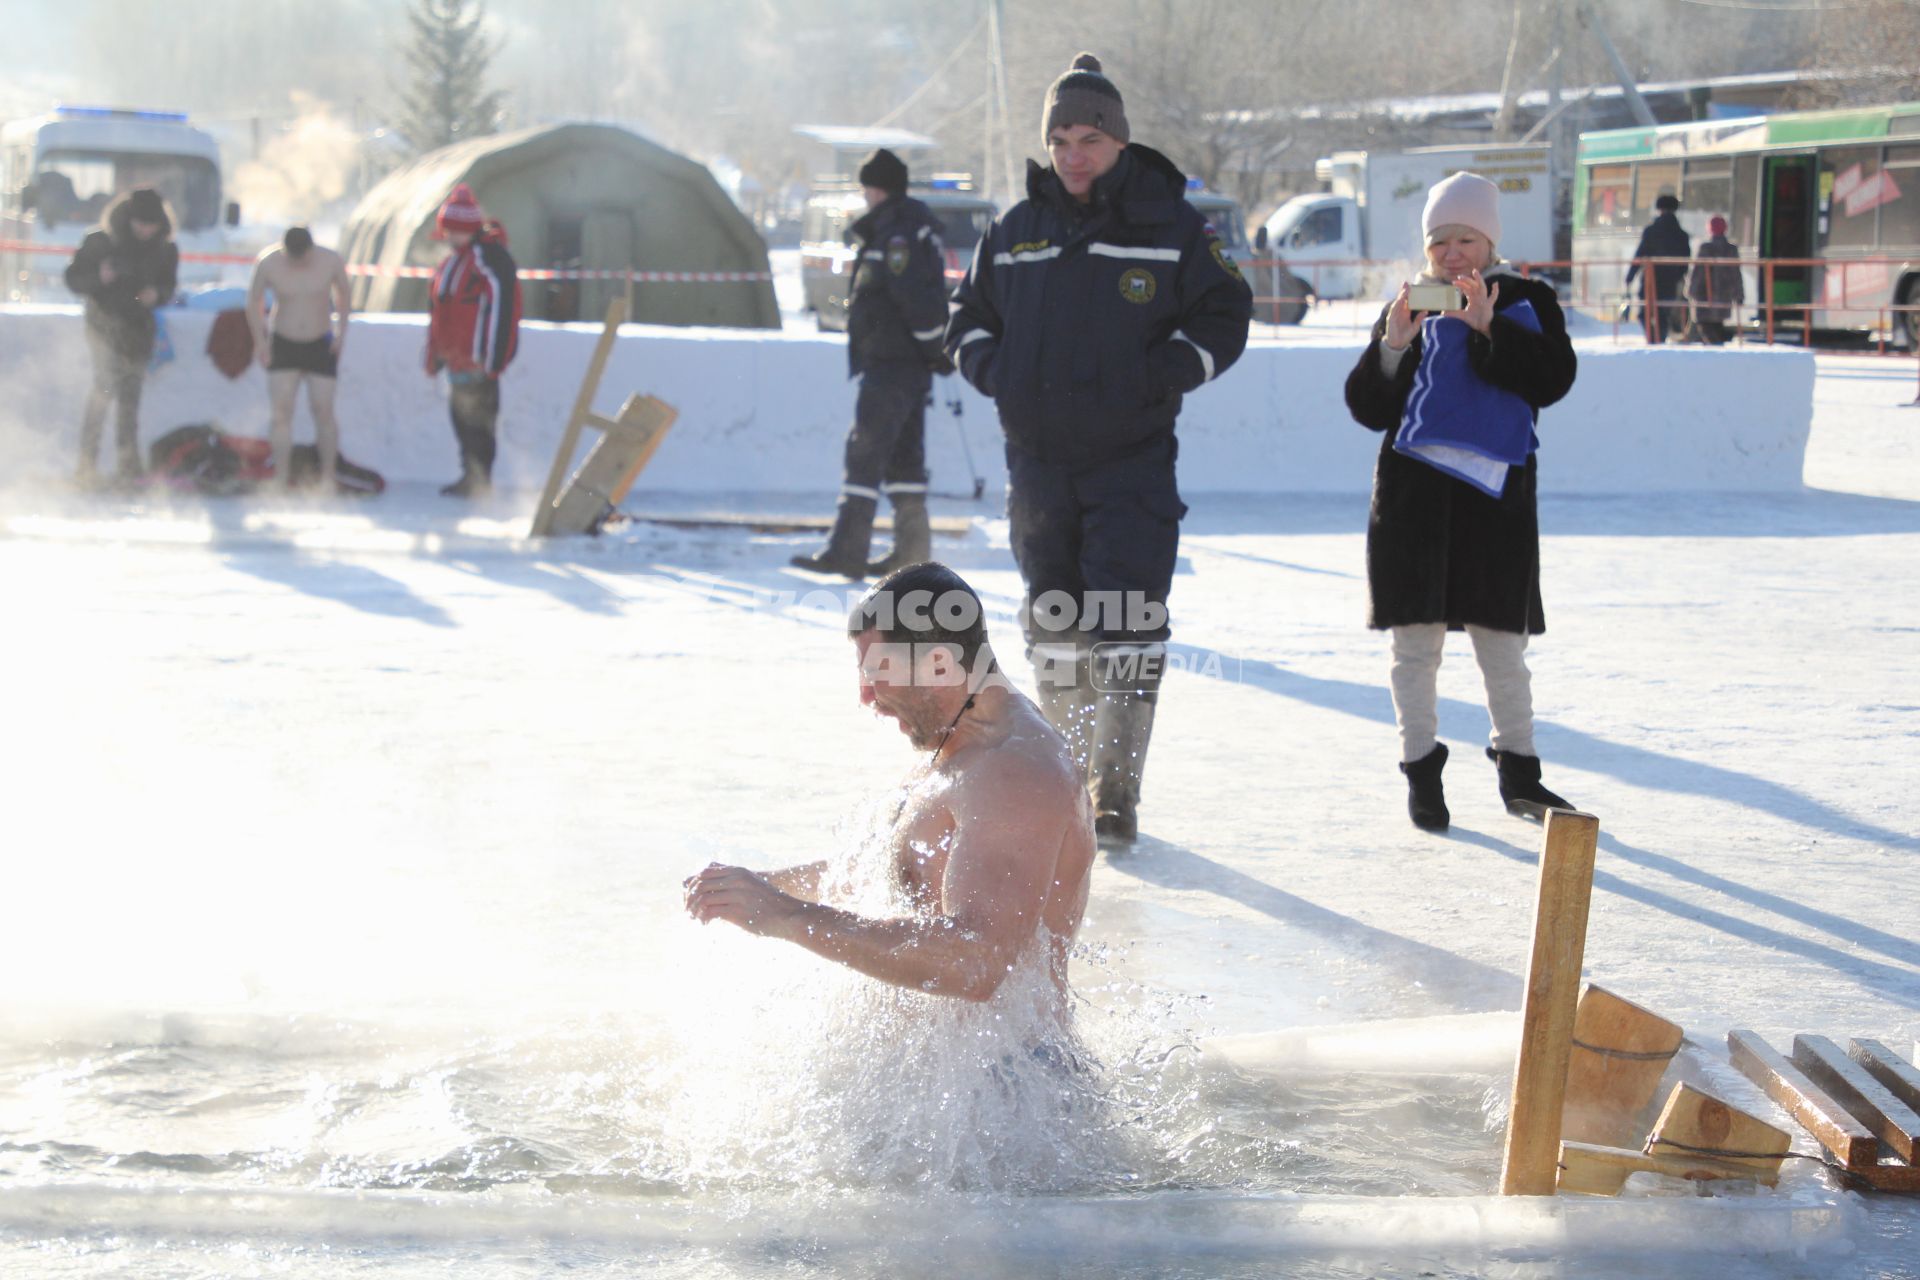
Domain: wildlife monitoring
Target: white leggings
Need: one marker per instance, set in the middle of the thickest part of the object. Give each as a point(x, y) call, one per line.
point(1416, 687)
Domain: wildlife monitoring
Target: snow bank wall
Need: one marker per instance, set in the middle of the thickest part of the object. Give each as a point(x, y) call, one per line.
point(768, 412)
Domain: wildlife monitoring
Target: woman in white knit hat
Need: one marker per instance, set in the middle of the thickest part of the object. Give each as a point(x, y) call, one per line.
point(1461, 362)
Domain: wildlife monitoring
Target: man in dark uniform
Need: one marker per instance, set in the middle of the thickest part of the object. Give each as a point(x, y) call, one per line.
point(1090, 309)
point(896, 325)
point(1664, 237)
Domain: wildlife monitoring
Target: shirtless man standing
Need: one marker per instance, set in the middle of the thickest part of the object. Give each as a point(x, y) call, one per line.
point(308, 332)
point(1003, 847)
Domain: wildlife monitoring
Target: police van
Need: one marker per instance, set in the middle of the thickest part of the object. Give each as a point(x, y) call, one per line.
point(58, 172)
point(827, 262)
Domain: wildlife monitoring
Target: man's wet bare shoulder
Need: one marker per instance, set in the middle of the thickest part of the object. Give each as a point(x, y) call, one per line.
point(1020, 785)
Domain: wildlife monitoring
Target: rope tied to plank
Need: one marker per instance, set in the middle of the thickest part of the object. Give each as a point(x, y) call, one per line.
point(1626, 1055)
point(1723, 1154)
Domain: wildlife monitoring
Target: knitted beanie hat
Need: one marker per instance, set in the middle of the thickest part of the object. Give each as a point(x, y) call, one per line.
point(1084, 95)
point(145, 205)
point(461, 212)
point(884, 170)
point(1465, 200)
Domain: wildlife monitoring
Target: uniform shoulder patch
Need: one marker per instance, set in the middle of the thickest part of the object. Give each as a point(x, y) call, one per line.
point(899, 250)
point(1227, 264)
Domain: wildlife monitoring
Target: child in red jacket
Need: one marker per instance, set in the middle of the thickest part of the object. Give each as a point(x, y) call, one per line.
point(473, 331)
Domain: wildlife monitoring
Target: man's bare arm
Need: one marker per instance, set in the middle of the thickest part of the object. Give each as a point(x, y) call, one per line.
point(342, 303)
point(998, 873)
point(802, 881)
point(257, 305)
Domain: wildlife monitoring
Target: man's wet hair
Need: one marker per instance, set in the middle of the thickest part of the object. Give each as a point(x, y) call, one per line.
point(923, 604)
point(298, 240)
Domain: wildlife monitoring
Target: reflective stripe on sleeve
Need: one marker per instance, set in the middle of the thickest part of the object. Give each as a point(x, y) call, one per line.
point(1206, 357)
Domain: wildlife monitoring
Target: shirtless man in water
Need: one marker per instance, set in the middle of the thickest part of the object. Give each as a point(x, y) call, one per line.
point(302, 343)
point(1004, 846)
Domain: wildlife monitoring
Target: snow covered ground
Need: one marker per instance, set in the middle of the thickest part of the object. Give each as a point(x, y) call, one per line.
point(343, 846)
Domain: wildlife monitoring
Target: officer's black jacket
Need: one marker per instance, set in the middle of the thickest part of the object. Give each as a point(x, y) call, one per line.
point(897, 307)
point(1086, 324)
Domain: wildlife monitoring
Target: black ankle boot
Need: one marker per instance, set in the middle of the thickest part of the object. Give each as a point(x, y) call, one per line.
point(1426, 798)
point(1520, 787)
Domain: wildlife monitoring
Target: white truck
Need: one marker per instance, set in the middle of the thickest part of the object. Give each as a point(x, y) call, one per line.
point(1362, 235)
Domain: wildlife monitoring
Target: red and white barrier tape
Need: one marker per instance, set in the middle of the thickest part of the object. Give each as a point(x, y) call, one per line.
point(424, 273)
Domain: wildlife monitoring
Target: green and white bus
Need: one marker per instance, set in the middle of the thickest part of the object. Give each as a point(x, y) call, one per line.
point(1839, 187)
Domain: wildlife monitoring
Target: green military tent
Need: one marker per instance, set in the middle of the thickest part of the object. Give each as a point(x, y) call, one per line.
point(580, 196)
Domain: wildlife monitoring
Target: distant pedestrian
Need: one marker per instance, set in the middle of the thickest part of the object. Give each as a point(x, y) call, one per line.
point(896, 327)
point(123, 270)
point(1715, 288)
point(1453, 536)
point(473, 331)
point(1664, 237)
point(301, 343)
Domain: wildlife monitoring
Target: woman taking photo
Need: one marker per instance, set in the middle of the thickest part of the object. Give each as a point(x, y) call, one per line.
point(124, 270)
point(1460, 364)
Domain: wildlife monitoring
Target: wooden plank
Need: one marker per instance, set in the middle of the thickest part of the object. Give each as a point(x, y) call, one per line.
point(1889, 1068)
point(1695, 1123)
point(1844, 1137)
point(1620, 1054)
point(1889, 1177)
point(942, 526)
point(582, 406)
point(1853, 1087)
point(651, 415)
point(1589, 1169)
point(1532, 1163)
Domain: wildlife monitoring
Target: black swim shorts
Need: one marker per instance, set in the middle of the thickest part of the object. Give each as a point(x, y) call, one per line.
point(314, 357)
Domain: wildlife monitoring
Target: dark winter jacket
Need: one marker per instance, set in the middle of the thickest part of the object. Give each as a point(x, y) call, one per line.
point(115, 310)
point(473, 309)
point(1087, 324)
point(1664, 237)
point(1714, 289)
point(1439, 550)
point(897, 307)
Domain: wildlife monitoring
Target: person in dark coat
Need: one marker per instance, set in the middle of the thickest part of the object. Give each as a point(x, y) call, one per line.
point(1442, 553)
point(123, 270)
point(896, 325)
point(1664, 237)
point(1090, 310)
point(1715, 289)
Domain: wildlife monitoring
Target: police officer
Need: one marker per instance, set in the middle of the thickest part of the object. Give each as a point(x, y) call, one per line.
point(1090, 309)
point(896, 324)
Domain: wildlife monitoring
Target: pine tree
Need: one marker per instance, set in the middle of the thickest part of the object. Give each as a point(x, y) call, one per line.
point(447, 99)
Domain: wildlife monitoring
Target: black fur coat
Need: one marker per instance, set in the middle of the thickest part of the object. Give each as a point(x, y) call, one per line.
point(1439, 550)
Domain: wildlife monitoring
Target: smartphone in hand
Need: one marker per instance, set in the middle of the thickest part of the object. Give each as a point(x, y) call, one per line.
point(1435, 297)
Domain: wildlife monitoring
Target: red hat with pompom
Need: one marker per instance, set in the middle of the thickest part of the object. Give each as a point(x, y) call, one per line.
point(461, 212)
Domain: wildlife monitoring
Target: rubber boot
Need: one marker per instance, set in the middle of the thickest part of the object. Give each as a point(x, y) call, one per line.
point(1520, 787)
point(1063, 681)
point(474, 482)
point(1126, 684)
point(846, 551)
point(1122, 727)
point(912, 535)
point(127, 471)
point(93, 422)
point(1426, 798)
